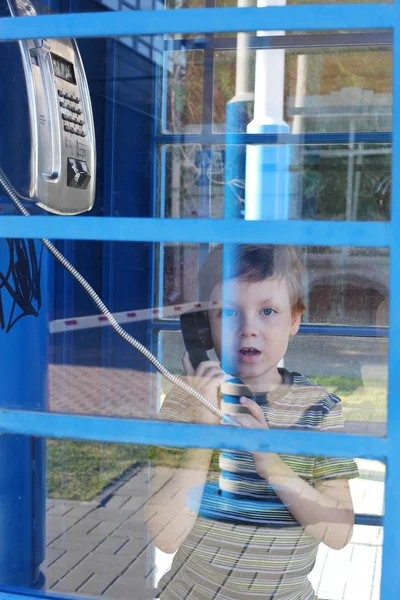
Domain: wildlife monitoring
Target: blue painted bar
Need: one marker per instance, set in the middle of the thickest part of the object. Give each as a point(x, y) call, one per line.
point(368, 519)
point(305, 329)
point(343, 330)
point(200, 20)
point(9, 592)
point(315, 40)
point(213, 231)
point(186, 435)
point(390, 583)
point(307, 139)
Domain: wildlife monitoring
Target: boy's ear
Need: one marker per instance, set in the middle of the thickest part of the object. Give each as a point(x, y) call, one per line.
point(295, 324)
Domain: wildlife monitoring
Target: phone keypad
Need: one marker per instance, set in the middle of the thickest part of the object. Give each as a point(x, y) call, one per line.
point(71, 104)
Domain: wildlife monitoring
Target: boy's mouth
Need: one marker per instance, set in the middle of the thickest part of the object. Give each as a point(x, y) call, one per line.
point(249, 351)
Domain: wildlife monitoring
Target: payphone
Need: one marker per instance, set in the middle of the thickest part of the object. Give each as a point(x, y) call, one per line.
point(48, 148)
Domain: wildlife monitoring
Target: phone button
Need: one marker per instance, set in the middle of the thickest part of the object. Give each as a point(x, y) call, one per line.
point(78, 175)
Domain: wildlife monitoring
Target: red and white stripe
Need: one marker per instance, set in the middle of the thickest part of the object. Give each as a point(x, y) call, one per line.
point(91, 321)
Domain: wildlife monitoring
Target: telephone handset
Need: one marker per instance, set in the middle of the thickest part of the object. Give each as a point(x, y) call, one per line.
point(197, 336)
point(48, 142)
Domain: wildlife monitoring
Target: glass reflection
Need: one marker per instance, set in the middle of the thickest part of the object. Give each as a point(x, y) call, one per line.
point(252, 526)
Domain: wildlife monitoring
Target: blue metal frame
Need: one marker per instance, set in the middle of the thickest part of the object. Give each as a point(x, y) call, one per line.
point(213, 231)
point(200, 20)
point(391, 547)
point(133, 431)
point(308, 139)
point(294, 18)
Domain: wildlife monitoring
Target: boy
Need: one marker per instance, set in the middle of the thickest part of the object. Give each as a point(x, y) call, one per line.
point(261, 305)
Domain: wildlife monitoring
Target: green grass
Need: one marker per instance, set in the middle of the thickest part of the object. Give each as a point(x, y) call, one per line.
point(81, 470)
point(362, 401)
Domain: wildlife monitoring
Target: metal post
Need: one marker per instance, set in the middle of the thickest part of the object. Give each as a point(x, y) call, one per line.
point(267, 166)
point(23, 350)
point(237, 119)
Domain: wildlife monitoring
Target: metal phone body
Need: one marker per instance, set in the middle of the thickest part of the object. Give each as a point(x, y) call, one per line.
point(47, 143)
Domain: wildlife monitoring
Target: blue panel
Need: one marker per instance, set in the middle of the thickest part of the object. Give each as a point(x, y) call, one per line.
point(212, 20)
point(391, 549)
point(345, 330)
point(22, 593)
point(131, 431)
point(311, 233)
point(308, 139)
point(23, 301)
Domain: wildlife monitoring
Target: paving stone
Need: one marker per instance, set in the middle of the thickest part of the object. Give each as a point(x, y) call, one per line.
point(52, 537)
point(108, 563)
point(112, 545)
point(52, 554)
point(134, 503)
point(117, 501)
point(60, 509)
point(134, 547)
point(109, 514)
point(73, 581)
point(138, 490)
point(71, 538)
point(105, 528)
point(53, 575)
point(140, 569)
point(58, 525)
point(123, 491)
point(65, 543)
point(83, 526)
point(82, 509)
point(98, 583)
point(124, 589)
point(120, 532)
point(131, 527)
point(70, 559)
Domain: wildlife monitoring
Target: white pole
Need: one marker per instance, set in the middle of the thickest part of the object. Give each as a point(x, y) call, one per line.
point(267, 166)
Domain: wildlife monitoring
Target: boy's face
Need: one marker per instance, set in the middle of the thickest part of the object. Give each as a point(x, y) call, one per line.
point(257, 324)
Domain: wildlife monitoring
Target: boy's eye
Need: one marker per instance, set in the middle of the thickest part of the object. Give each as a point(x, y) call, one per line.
point(268, 312)
point(228, 312)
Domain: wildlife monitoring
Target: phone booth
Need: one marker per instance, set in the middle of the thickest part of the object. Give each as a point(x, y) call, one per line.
point(149, 212)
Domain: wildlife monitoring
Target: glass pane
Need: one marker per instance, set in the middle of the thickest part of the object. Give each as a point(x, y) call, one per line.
point(353, 368)
point(184, 72)
point(338, 291)
point(342, 285)
point(328, 89)
point(165, 117)
point(110, 535)
point(215, 543)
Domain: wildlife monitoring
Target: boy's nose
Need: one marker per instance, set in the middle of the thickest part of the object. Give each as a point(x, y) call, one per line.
point(248, 327)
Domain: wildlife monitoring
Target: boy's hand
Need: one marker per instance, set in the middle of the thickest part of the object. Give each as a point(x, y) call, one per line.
point(254, 420)
point(206, 379)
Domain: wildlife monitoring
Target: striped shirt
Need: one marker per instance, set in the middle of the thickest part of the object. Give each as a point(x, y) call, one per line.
point(258, 550)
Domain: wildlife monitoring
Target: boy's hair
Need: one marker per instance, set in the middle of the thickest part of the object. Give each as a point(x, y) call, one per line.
point(254, 263)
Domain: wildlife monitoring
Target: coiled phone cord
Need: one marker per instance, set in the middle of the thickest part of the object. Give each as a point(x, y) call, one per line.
point(16, 199)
